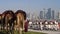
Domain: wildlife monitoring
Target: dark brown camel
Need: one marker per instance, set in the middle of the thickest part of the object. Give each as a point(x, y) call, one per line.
point(8, 20)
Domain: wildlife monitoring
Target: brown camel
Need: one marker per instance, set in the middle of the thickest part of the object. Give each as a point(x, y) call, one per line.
point(20, 20)
point(8, 20)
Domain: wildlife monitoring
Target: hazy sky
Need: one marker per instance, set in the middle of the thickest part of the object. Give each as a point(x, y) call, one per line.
point(29, 5)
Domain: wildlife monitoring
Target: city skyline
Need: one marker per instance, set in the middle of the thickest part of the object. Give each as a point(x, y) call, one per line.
point(45, 14)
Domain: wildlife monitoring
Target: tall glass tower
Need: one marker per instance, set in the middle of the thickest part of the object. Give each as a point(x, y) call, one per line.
point(48, 15)
point(41, 15)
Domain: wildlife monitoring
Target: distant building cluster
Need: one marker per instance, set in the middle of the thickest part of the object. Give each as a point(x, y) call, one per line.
point(49, 14)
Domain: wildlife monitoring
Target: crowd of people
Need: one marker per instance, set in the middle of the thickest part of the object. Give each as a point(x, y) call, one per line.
point(44, 25)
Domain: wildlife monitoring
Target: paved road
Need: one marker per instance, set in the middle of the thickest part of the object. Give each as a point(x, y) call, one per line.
point(44, 31)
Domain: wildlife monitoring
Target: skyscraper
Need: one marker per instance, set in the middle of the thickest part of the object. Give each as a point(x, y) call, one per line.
point(52, 15)
point(48, 15)
point(41, 15)
point(44, 13)
point(58, 15)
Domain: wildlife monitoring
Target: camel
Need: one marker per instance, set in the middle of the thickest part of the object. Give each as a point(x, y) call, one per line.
point(8, 20)
point(20, 20)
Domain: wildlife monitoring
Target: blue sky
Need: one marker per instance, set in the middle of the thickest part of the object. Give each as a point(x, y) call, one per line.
point(29, 5)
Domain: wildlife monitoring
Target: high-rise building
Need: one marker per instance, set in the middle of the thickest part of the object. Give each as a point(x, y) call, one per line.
point(28, 15)
point(58, 15)
point(48, 15)
point(41, 15)
point(53, 14)
point(44, 13)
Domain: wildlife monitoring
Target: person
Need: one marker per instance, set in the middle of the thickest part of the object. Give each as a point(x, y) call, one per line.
point(26, 26)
